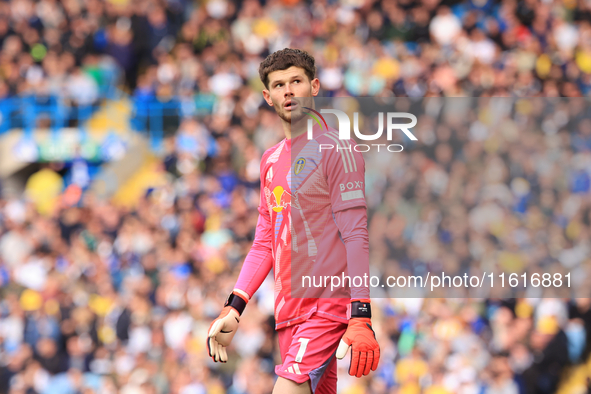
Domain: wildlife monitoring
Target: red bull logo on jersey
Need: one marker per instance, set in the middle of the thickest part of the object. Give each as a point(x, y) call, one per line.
point(280, 199)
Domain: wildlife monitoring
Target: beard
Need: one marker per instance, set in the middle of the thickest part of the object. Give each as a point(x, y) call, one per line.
point(292, 117)
point(295, 116)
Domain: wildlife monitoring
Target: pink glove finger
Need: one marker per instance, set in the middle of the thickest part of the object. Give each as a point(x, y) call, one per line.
point(369, 363)
point(376, 359)
point(354, 363)
point(362, 364)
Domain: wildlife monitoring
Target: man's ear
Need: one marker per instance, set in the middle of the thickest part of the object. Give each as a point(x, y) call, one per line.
point(315, 83)
point(267, 97)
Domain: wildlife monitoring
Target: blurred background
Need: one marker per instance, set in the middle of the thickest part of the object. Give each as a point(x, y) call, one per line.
point(130, 138)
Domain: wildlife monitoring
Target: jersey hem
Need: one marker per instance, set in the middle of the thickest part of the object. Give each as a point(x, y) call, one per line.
point(336, 318)
point(306, 316)
point(295, 320)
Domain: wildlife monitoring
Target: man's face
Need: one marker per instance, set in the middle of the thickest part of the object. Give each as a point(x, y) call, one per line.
point(285, 85)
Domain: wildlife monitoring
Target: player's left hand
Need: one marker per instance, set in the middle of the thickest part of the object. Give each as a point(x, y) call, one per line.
point(365, 353)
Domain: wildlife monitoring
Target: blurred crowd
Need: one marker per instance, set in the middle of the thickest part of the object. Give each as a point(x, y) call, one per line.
point(492, 186)
point(98, 298)
point(78, 49)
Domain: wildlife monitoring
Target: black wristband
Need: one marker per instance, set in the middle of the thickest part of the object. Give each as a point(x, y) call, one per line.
point(360, 309)
point(236, 302)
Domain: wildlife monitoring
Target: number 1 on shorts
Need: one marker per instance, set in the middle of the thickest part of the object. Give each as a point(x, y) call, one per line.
point(303, 345)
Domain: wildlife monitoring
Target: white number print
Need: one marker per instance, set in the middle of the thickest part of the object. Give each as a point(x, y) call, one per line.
point(303, 345)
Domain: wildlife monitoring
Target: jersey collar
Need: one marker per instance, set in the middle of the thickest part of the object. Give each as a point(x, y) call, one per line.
point(301, 139)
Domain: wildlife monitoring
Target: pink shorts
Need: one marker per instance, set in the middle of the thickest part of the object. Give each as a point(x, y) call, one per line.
point(308, 353)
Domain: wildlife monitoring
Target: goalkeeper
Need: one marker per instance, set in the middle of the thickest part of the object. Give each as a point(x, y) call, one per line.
point(312, 219)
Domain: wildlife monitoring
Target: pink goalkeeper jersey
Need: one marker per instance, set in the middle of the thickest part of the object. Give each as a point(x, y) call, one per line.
point(299, 209)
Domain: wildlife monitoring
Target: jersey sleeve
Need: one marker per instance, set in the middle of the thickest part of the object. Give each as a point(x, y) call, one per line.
point(345, 173)
point(352, 224)
point(259, 260)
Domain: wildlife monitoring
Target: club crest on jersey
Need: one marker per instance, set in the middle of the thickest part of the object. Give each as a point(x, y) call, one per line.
point(299, 165)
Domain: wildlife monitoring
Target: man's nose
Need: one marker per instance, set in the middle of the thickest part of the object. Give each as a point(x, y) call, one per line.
point(288, 91)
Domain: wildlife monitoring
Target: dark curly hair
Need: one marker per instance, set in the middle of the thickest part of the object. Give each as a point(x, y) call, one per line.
point(284, 59)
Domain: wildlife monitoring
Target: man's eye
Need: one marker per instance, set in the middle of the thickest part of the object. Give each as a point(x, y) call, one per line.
point(278, 85)
point(296, 81)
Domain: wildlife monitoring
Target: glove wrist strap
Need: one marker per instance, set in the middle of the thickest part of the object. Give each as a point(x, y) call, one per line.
point(236, 302)
point(360, 309)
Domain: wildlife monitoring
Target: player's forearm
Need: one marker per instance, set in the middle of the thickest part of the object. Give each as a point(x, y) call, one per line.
point(258, 262)
point(358, 265)
point(352, 224)
point(255, 269)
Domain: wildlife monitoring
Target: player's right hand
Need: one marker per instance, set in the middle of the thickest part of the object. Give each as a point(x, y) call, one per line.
point(221, 332)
